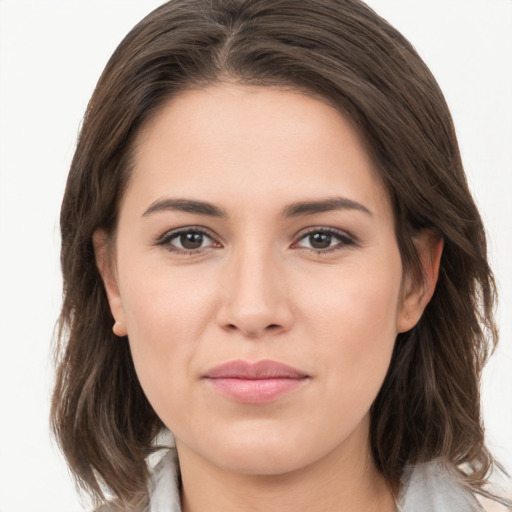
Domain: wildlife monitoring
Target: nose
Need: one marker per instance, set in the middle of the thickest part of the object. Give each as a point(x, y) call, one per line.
point(256, 300)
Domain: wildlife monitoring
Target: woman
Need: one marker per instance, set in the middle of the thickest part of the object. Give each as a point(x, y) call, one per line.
point(270, 250)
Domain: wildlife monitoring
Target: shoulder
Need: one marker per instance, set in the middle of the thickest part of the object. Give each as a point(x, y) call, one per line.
point(491, 505)
point(438, 486)
point(435, 486)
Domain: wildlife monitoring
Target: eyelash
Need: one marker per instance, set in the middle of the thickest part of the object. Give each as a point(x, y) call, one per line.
point(166, 239)
point(344, 240)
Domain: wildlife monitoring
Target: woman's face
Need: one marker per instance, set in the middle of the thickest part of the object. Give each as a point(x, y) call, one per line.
point(258, 277)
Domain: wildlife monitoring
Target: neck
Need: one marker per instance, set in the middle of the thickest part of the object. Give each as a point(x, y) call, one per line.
point(344, 480)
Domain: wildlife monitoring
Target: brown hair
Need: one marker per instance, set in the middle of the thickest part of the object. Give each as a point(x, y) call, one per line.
point(341, 51)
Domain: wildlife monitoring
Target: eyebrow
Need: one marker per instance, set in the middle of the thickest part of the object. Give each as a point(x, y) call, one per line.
point(185, 205)
point(296, 209)
point(327, 205)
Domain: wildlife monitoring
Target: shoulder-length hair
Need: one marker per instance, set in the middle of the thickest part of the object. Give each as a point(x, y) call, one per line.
point(337, 50)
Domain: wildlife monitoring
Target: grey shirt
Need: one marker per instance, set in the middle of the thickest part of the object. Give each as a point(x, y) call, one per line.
point(429, 487)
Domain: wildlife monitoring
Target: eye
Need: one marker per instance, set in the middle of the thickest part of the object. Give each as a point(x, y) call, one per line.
point(187, 241)
point(324, 240)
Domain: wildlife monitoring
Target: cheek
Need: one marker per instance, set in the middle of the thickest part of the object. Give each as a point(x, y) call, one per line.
point(354, 320)
point(165, 304)
point(166, 315)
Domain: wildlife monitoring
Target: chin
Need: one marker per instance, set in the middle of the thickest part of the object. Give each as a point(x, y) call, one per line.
point(262, 460)
point(258, 449)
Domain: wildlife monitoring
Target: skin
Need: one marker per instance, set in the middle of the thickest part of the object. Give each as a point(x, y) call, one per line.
point(259, 287)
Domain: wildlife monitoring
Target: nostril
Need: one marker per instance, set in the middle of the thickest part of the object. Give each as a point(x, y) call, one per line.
point(255, 332)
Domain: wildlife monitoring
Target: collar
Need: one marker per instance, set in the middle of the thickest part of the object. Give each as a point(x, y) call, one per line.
point(426, 487)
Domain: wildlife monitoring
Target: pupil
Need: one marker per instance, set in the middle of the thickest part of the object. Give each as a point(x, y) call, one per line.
point(191, 240)
point(320, 240)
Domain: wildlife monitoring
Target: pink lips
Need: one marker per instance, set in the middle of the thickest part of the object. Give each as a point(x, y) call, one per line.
point(255, 383)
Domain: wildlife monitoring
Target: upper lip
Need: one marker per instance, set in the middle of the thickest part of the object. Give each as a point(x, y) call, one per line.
point(260, 370)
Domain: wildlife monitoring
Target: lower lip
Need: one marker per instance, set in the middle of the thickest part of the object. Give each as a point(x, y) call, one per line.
point(255, 391)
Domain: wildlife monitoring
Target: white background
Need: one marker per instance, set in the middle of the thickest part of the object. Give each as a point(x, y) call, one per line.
point(51, 54)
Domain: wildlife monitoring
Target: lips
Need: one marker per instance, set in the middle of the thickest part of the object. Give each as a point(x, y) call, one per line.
point(254, 383)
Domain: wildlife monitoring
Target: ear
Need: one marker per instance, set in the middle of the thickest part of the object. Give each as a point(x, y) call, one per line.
point(105, 263)
point(416, 296)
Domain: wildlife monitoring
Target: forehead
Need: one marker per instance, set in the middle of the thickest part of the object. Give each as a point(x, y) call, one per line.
point(253, 142)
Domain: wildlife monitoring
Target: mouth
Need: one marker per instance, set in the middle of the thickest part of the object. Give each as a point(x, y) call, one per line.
point(255, 383)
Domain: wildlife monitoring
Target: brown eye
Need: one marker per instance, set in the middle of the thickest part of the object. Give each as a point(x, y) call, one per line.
point(323, 240)
point(191, 240)
point(187, 241)
point(320, 240)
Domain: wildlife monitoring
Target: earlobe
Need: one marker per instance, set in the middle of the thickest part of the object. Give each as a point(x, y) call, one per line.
point(416, 296)
point(106, 268)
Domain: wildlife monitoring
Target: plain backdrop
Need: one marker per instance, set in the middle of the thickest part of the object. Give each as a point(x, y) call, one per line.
point(51, 55)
